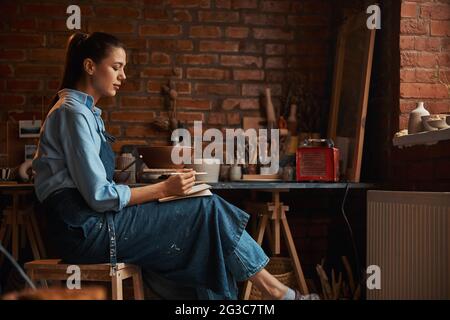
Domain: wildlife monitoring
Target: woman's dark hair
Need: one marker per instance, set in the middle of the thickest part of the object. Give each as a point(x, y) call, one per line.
point(80, 46)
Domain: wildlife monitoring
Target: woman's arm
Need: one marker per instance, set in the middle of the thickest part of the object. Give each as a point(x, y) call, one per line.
point(175, 185)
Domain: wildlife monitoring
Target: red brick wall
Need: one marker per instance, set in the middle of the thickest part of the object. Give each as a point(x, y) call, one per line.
point(425, 56)
point(221, 54)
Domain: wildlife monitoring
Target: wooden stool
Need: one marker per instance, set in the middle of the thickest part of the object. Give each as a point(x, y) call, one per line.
point(53, 269)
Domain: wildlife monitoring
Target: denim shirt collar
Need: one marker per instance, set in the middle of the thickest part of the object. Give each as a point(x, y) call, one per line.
point(82, 97)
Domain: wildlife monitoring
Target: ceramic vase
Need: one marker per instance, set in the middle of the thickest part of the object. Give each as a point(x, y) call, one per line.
point(415, 118)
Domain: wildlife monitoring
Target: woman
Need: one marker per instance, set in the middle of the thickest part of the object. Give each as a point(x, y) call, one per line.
point(198, 243)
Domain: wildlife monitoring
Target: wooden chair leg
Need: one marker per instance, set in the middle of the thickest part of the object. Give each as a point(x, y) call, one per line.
point(138, 286)
point(31, 237)
point(116, 286)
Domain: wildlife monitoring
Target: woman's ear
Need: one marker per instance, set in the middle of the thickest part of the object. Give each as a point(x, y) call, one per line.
point(89, 66)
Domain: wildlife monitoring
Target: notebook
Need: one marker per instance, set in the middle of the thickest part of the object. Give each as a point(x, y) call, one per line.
point(199, 190)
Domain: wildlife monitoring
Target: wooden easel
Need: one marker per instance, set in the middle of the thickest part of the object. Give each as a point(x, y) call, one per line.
point(20, 222)
point(273, 221)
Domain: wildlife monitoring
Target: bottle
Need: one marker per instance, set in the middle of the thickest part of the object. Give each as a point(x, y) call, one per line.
point(415, 118)
point(270, 110)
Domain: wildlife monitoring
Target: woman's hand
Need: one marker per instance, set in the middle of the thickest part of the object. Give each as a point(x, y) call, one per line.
point(180, 184)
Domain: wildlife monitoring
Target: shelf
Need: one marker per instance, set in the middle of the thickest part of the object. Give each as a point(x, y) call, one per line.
point(427, 138)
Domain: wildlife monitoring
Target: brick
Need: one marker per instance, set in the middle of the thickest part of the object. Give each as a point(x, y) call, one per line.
point(275, 6)
point(23, 24)
point(133, 43)
point(435, 11)
point(197, 59)
point(251, 90)
point(189, 3)
point(160, 58)
point(51, 25)
point(275, 63)
point(207, 74)
point(427, 44)
point(216, 88)
point(141, 102)
point(154, 14)
point(245, 4)
point(275, 76)
point(170, 45)
point(139, 57)
point(444, 59)
point(241, 61)
point(243, 104)
point(406, 106)
point(264, 19)
point(143, 116)
point(223, 4)
point(22, 40)
point(440, 28)
point(42, 9)
point(407, 75)
point(162, 72)
point(182, 16)
point(272, 34)
point(407, 42)
point(205, 32)
point(236, 32)
point(426, 76)
point(168, 30)
point(440, 106)
point(23, 85)
point(308, 21)
point(310, 48)
point(34, 70)
point(218, 16)
point(47, 54)
point(217, 118)
point(118, 12)
point(143, 131)
point(194, 104)
point(53, 85)
point(233, 119)
point(113, 129)
point(118, 144)
point(414, 26)
point(131, 86)
point(248, 75)
point(12, 54)
point(423, 90)
point(107, 102)
point(155, 86)
point(119, 26)
point(11, 100)
point(219, 46)
point(6, 70)
point(190, 116)
point(408, 10)
point(418, 59)
point(275, 49)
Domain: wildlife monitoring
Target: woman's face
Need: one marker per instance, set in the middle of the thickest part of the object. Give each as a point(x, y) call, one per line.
point(109, 73)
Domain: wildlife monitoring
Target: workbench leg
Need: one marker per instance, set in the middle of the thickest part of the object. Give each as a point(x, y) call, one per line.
point(295, 260)
point(15, 228)
point(37, 233)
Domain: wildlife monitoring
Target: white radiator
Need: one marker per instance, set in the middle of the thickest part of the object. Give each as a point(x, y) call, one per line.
point(408, 237)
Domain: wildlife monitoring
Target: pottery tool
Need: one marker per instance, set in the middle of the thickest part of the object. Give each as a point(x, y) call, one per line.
point(133, 162)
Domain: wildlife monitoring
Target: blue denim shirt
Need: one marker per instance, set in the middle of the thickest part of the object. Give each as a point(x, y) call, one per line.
point(68, 154)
